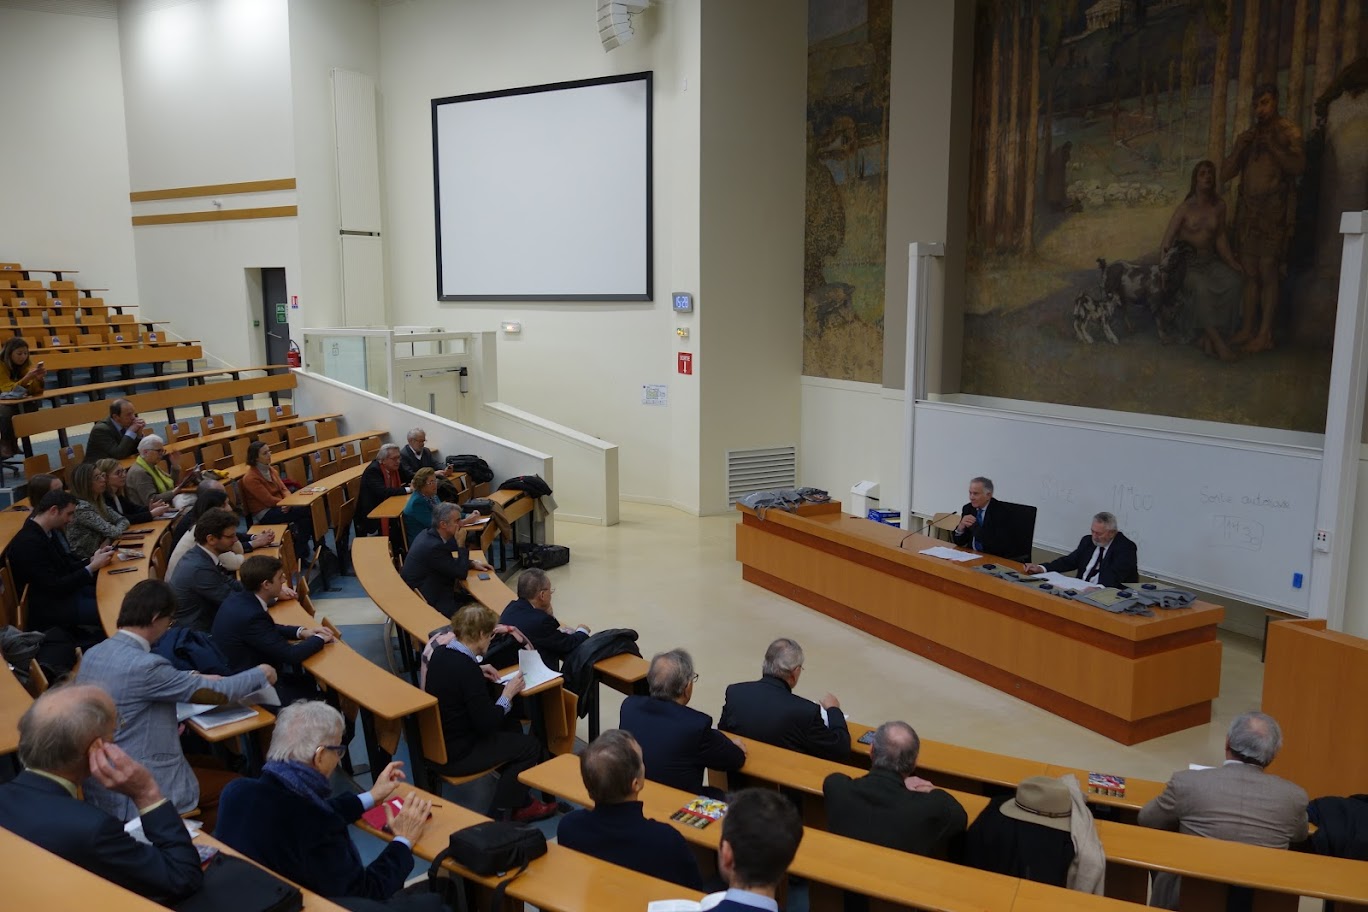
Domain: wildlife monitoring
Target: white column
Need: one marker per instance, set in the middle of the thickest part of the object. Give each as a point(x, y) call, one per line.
point(914, 377)
point(1343, 428)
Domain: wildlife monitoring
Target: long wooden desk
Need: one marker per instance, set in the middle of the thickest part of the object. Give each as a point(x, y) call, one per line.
point(228, 435)
point(1130, 678)
point(123, 356)
point(235, 472)
point(35, 878)
point(118, 576)
point(190, 378)
point(1208, 866)
point(14, 702)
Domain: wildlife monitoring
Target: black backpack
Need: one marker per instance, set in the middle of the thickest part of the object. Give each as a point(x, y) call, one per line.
point(531, 484)
point(475, 467)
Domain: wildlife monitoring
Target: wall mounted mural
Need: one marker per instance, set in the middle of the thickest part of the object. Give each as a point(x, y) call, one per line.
point(1155, 194)
point(849, 43)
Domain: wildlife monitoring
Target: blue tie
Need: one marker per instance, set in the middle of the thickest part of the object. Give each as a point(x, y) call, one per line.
point(978, 545)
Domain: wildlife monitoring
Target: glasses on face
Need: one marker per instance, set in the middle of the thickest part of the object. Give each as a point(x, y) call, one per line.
point(338, 749)
point(121, 471)
point(693, 678)
point(548, 591)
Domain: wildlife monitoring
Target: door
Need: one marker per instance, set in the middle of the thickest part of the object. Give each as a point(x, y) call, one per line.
point(435, 390)
point(275, 314)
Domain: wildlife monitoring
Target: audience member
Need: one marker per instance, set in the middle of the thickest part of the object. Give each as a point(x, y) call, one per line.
point(153, 477)
point(1237, 801)
point(531, 613)
point(437, 561)
point(115, 437)
point(211, 494)
point(615, 829)
point(1044, 833)
point(146, 688)
point(382, 479)
point(40, 484)
point(61, 586)
point(262, 489)
point(116, 495)
point(481, 731)
point(415, 455)
point(890, 806)
point(289, 820)
point(418, 510)
point(677, 742)
point(244, 631)
point(760, 835)
point(94, 524)
point(768, 710)
point(65, 738)
point(200, 580)
point(17, 373)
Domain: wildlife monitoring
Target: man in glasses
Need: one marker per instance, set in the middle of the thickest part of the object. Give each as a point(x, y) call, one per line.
point(531, 613)
point(67, 737)
point(768, 710)
point(146, 688)
point(678, 743)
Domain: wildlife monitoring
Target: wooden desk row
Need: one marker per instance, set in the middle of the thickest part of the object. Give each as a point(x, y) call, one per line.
point(1208, 866)
point(97, 390)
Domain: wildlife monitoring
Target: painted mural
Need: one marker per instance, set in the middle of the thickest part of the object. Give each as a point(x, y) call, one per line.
point(849, 43)
point(1155, 194)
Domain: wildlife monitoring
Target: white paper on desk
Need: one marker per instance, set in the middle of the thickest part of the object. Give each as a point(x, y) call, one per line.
point(532, 668)
point(266, 696)
point(223, 715)
point(1061, 581)
point(950, 553)
point(686, 905)
point(134, 828)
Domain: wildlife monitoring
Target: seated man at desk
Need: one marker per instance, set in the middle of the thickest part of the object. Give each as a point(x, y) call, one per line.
point(65, 738)
point(990, 526)
point(116, 436)
point(531, 613)
point(61, 586)
point(768, 710)
point(760, 835)
point(1104, 556)
point(889, 806)
point(382, 479)
point(201, 583)
point(615, 829)
point(678, 743)
point(437, 562)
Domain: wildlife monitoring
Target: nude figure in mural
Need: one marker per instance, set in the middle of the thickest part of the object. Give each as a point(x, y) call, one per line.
point(1267, 158)
point(1210, 294)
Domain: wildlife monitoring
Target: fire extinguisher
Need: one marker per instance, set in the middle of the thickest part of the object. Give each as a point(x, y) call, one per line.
point(293, 356)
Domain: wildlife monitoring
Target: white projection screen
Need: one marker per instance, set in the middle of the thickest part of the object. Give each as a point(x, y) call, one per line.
point(543, 193)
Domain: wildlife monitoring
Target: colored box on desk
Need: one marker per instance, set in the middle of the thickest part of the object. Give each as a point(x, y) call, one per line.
point(887, 517)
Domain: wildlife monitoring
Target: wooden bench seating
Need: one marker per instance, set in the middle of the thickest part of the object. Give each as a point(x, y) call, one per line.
point(60, 418)
point(118, 356)
point(96, 391)
point(1208, 866)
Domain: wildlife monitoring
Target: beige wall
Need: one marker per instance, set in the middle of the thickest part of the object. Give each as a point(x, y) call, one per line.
point(751, 297)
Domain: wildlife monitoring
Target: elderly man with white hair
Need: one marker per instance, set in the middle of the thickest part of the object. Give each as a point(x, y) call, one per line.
point(289, 820)
point(1237, 800)
point(153, 477)
point(383, 478)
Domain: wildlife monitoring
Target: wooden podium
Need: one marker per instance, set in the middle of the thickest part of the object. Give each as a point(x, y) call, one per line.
point(1130, 678)
point(1315, 681)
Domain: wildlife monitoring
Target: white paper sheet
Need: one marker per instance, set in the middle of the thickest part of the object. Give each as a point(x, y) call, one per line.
point(950, 553)
point(223, 715)
point(1064, 582)
point(532, 668)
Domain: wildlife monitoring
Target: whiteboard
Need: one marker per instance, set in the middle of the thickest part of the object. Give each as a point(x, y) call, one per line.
point(1231, 517)
point(543, 193)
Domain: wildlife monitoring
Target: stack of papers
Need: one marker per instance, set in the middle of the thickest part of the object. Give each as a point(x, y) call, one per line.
point(207, 717)
point(1061, 581)
point(950, 553)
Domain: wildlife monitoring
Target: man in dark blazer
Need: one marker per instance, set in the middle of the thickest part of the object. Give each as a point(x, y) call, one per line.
point(200, 582)
point(760, 835)
point(61, 587)
point(531, 613)
point(615, 829)
point(65, 738)
point(383, 478)
point(437, 562)
point(768, 710)
point(1237, 800)
point(115, 437)
point(1105, 557)
point(890, 806)
point(247, 636)
point(990, 526)
point(678, 743)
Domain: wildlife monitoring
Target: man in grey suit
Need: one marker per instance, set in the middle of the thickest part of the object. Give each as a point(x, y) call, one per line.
point(1237, 801)
point(200, 582)
point(146, 689)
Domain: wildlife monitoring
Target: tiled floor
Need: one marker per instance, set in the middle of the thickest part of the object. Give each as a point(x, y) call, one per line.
point(674, 579)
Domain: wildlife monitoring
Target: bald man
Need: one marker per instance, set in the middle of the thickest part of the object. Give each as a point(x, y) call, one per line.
point(66, 736)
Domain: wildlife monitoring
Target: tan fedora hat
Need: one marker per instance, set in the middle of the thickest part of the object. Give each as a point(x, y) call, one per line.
point(1041, 800)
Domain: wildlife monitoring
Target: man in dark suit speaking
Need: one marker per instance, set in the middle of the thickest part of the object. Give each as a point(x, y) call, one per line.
point(1105, 557)
point(990, 526)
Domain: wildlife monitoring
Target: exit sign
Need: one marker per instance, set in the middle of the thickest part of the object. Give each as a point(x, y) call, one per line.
point(685, 365)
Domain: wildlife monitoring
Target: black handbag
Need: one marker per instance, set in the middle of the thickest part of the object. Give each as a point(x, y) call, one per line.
point(234, 885)
point(489, 849)
point(478, 470)
point(544, 557)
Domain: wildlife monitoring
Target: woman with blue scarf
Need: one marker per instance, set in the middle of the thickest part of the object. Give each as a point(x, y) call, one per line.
point(289, 821)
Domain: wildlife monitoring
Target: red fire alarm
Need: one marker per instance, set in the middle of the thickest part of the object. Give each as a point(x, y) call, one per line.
point(685, 363)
